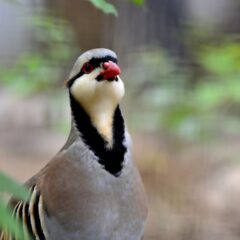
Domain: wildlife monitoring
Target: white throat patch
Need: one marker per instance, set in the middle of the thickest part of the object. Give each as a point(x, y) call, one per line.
point(99, 99)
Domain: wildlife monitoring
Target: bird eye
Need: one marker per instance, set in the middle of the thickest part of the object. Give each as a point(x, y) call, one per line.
point(87, 68)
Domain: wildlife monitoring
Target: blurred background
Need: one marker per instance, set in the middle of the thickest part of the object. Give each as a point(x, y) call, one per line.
point(181, 67)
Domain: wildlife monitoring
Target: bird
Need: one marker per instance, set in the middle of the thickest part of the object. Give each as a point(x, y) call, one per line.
point(91, 189)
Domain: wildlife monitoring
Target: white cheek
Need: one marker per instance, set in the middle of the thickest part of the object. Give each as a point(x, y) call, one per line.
point(84, 87)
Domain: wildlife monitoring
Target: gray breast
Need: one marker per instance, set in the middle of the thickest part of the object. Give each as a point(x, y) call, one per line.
point(93, 204)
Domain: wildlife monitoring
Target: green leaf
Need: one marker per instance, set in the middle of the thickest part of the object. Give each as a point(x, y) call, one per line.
point(104, 6)
point(138, 2)
point(10, 186)
point(8, 223)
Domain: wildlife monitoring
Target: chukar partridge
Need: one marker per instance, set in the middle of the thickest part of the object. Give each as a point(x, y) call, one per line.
point(91, 190)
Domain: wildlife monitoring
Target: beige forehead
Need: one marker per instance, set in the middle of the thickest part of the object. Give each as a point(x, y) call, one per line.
point(85, 57)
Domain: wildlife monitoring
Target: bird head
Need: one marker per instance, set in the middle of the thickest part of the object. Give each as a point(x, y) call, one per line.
point(95, 78)
point(95, 84)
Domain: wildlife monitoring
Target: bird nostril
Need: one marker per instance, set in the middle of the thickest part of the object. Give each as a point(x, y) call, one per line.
point(106, 65)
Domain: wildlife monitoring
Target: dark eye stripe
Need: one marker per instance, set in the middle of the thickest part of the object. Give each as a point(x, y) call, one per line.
point(95, 62)
point(71, 81)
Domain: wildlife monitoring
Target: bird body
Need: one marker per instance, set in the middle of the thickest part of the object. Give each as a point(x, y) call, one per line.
point(91, 190)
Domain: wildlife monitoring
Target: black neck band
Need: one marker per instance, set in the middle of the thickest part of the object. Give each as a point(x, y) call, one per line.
point(111, 159)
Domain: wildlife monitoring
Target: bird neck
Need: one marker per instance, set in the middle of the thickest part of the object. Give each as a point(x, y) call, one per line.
point(110, 154)
point(101, 113)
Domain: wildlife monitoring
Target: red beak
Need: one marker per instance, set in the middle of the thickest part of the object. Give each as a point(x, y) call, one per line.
point(111, 70)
